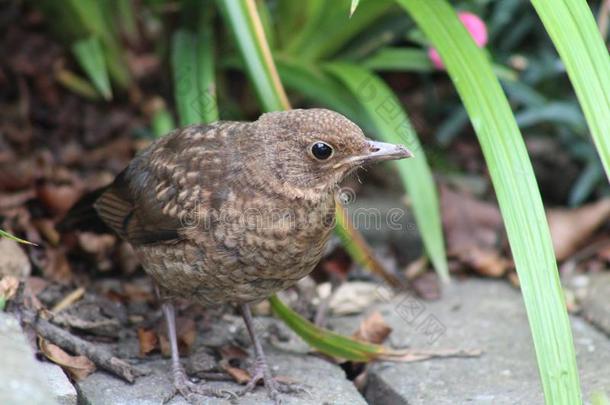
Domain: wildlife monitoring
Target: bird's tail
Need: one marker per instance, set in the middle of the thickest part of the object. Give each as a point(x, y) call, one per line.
point(83, 217)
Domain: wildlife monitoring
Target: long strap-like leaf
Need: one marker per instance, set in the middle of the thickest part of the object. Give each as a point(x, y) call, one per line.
point(518, 195)
point(579, 43)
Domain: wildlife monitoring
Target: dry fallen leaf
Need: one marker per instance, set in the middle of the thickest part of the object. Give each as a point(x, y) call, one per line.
point(373, 329)
point(186, 333)
point(230, 351)
point(54, 264)
point(58, 198)
point(572, 228)
point(474, 232)
point(8, 288)
point(148, 341)
point(240, 376)
point(79, 367)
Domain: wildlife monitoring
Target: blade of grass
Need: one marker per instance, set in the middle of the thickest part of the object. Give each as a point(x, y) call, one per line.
point(4, 234)
point(392, 125)
point(127, 19)
point(242, 17)
point(399, 59)
point(184, 70)
point(74, 20)
point(579, 43)
point(327, 342)
point(90, 56)
point(518, 195)
point(316, 85)
point(192, 60)
point(331, 28)
point(162, 121)
point(358, 250)
point(77, 84)
point(205, 69)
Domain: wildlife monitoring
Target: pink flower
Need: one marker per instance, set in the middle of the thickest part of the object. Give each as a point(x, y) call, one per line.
point(475, 26)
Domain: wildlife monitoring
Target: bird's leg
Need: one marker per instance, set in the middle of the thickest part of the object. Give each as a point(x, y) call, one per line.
point(261, 368)
point(182, 385)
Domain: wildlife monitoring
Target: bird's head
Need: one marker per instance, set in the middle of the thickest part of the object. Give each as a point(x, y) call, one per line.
point(314, 149)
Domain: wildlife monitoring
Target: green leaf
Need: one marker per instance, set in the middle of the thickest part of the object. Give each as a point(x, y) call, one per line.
point(192, 60)
point(331, 28)
point(579, 43)
point(316, 85)
point(242, 17)
point(162, 121)
point(518, 195)
point(399, 59)
point(330, 343)
point(392, 125)
point(4, 234)
point(74, 20)
point(90, 56)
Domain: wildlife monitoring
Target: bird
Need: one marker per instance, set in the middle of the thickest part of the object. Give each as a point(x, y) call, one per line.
point(233, 212)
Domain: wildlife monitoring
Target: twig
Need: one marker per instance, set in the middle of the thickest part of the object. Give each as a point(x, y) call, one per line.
point(100, 356)
point(68, 300)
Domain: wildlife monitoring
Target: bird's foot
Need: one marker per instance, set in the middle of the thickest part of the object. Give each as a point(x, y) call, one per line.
point(274, 385)
point(190, 390)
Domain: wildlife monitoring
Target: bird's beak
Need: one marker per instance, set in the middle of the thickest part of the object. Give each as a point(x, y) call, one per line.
point(381, 151)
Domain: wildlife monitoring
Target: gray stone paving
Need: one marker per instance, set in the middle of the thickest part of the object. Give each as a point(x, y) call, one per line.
point(477, 314)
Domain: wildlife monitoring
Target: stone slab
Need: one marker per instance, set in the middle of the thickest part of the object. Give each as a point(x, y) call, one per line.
point(59, 384)
point(596, 305)
point(22, 381)
point(326, 382)
point(476, 314)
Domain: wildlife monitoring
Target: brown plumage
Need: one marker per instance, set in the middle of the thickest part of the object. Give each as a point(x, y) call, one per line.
point(233, 212)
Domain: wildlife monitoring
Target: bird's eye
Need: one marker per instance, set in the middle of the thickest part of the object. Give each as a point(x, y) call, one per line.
point(321, 150)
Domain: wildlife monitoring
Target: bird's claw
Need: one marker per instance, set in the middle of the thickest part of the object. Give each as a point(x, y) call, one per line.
point(274, 385)
point(190, 390)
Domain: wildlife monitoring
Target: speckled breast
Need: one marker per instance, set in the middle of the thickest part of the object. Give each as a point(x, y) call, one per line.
point(243, 251)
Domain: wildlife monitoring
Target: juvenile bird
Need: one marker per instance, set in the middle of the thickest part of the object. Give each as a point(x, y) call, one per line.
point(233, 212)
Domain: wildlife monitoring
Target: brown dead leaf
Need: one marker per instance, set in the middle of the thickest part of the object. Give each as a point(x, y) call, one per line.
point(373, 329)
point(46, 228)
point(55, 265)
point(411, 355)
point(8, 287)
point(186, 333)
point(427, 286)
point(79, 367)
point(229, 352)
point(571, 228)
point(474, 232)
point(148, 341)
point(240, 376)
point(58, 198)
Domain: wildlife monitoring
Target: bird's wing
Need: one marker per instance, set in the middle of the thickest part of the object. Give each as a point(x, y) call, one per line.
point(134, 215)
point(149, 199)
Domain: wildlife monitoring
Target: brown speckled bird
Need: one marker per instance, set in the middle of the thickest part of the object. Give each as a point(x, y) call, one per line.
point(233, 212)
